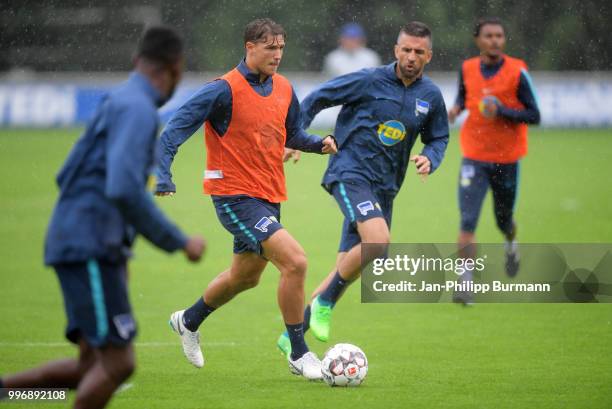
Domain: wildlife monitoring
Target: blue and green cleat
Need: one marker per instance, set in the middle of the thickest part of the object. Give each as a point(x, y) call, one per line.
point(284, 344)
point(320, 319)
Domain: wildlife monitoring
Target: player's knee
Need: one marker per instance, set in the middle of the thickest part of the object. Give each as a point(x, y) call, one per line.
point(375, 233)
point(124, 370)
point(468, 223)
point(375, 242)
point(120, 364)
point(296, 266)
point(383, 238)
point(371, 251)
point(249, 281)
point(86, 361)
point(504, 222)
point(376, 245)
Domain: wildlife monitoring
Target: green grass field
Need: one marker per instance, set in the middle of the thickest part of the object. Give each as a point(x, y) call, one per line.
point(421, 355)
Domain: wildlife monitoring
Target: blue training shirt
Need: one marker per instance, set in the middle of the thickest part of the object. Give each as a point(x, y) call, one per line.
point(378, 125)
point(213, 102)
point(103, 200)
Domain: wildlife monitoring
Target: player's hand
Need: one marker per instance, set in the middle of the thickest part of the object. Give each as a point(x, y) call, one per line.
point(329, 145)
point(292, 154)
point(164, 193)
point(195, 248)
point(454, 113)
point(423, 165)
point(489, 106)
point(491, 109)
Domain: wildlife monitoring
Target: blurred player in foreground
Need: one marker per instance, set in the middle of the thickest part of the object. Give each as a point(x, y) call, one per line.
point(103, 203)
point(498, 92)
point(384, 109)
point(250, 114)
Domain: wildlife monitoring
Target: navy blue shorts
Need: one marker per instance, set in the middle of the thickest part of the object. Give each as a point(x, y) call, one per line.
point(474, 180)
point(248, 219)
point(359, 202)
point(96, 302)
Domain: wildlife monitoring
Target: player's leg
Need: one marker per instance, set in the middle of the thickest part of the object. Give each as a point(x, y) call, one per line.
point(250, 221)
point(351, 238)
point(244, 273)
point(113, 365)
point(367, 221)
point(375, 234)
point(283, 343)
point(325, 283)
point(504, 184)
point(62, 373)
point(100, 318)
point(110, 330)
point(98, 311)
point(473, 186)
point(290, 259)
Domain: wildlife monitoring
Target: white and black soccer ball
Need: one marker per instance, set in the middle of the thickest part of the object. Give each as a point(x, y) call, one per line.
point(344, 365)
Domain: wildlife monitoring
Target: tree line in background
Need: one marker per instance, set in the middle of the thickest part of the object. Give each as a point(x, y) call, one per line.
point(71, 35)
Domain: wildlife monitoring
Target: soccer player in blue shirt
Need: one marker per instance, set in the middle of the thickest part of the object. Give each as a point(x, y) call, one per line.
point(383, 111)
point(103, 203)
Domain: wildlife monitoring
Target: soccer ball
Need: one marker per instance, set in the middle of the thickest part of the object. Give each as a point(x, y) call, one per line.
point(344, 365)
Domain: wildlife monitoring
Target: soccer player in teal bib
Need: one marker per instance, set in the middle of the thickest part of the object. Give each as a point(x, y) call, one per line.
point(383, 111)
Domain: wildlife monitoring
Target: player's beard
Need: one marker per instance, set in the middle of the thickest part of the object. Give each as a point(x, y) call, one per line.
point(494, 53)
point(411, 74)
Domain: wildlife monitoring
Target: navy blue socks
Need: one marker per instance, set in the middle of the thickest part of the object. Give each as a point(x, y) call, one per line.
point(334, 290)
point(306, 324)
point(296, 337)
point(195, 315)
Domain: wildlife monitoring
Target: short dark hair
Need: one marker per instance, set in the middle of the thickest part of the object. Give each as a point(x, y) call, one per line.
point(417, 29)
point(160, 45)
point(258, 30)
point(483, 21)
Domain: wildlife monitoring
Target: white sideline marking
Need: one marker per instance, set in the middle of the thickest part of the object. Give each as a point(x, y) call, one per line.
point(137, 344)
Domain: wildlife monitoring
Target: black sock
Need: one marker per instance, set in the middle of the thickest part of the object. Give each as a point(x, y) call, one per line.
point(296, 336)
point(195, 314)
point(306, 324)
point(334, 290)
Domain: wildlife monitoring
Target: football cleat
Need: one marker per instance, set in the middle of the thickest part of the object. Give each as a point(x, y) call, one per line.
point(463, 297)
point(189, 339)
point(284, 344)
point(308, 366)
point(512, 263)
point(320, 319)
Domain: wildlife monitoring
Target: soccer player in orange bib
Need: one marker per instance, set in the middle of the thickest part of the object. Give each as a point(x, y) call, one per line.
point(498, 92)
point(250, 115)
